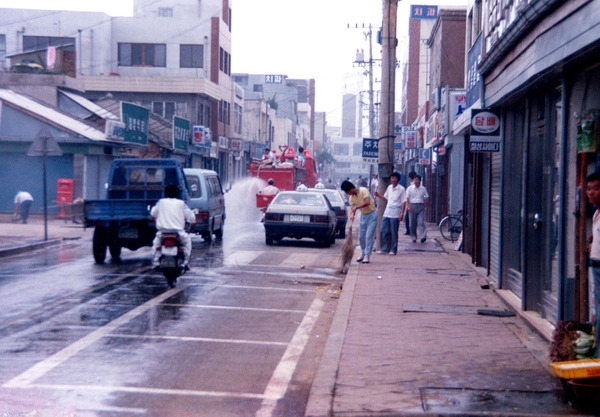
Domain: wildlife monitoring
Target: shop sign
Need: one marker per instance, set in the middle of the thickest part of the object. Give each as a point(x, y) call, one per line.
point(181, 133)
point(201, 136)
point(136, 119)
point(410, 139)
point(236, 145)
point(425, 156)
point(485, 131)
point(423, 12)
point(223, 142)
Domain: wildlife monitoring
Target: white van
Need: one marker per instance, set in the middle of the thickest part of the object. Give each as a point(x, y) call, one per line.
point(207, 201)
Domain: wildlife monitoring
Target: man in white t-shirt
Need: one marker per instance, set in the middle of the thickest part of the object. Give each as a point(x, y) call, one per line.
point(416, 198)
point(171, 213)
point(395, 195)
point(23, 202)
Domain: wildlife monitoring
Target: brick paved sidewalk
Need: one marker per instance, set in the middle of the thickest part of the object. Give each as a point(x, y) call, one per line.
point(426, 338)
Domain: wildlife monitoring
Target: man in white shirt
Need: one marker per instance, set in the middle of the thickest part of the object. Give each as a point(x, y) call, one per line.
point(270, 189)
point(395, 195)
point(172, 213)
point(593, 195)
point(23, 202)
point(416, 197)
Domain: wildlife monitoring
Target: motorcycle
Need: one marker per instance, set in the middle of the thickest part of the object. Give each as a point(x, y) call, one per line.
point(172, 257)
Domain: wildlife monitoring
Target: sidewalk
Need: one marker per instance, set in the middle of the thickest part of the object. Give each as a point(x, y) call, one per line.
point(16, 237)
point(418, 334)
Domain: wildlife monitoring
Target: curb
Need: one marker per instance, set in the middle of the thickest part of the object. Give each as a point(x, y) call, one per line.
point(320, 398)
point(28, 247)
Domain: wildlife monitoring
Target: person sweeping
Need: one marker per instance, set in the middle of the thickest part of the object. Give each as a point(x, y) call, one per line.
point(360, 199)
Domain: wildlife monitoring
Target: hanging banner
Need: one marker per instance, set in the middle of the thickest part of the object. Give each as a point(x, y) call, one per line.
point(410, 139)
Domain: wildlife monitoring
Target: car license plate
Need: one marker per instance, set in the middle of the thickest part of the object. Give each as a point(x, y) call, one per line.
point(169, 250)
point(128, 234)
point(297, 218)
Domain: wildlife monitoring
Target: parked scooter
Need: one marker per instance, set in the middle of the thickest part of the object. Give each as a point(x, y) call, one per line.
point(172, 257)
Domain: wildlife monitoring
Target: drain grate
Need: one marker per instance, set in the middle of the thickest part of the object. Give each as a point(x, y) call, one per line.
point(466, 400)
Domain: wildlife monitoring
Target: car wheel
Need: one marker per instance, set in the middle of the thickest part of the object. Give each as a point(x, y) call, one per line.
point(341, 233)
point(219, 233)
point(332, 239)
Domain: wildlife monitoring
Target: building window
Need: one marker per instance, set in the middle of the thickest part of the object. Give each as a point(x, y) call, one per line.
point(224, 112)
point(237, 118)
point(257, 88)
point(203, 116)
point(165, 109)
point(357, 148)
point(165, 12)
point(142, 55)
point(37, 43)
point(2, 48)
point(191, 56)
point(341, 149)
point(224, 61)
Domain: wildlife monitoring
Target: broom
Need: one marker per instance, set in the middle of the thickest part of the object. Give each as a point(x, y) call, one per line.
point(347, 250)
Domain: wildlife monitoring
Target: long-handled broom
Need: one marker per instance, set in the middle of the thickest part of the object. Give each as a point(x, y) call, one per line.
point(347, 250)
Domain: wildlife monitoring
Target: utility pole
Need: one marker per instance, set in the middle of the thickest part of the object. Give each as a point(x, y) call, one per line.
point(388, 96)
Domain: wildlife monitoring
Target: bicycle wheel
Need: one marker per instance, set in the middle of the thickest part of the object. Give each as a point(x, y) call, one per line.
point(451, 228)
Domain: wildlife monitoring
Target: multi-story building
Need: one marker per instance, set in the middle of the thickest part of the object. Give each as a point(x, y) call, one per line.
point(172, 58)
point(534, 67)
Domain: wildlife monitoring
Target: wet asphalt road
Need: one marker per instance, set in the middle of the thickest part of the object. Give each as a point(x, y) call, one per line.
point(240, 335)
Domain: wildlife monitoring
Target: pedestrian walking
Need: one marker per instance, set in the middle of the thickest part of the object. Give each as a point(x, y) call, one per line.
point(23, 202)
point(360, 199)
point(395, 196)
point(416, 198)
point(411, 177)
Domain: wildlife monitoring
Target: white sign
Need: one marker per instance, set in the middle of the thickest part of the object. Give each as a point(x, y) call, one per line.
point(485, 131)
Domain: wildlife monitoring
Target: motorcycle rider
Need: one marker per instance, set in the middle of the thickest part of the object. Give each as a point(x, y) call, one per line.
point(171, 213)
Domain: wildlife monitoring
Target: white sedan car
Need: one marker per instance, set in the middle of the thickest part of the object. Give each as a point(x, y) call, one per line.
point(300, 214)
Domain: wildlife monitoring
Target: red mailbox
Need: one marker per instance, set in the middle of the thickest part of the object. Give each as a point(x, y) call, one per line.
point(64, 194)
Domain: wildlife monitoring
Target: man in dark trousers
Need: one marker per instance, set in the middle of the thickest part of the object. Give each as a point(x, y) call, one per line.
point(411, 177)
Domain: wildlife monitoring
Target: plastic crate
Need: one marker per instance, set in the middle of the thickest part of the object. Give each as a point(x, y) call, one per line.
point(585, 368)
point(263, 200)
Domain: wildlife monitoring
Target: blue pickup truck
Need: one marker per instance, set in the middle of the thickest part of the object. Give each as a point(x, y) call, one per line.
point(123, 220)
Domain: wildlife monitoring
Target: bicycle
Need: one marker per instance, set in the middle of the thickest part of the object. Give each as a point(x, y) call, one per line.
point(451, 226)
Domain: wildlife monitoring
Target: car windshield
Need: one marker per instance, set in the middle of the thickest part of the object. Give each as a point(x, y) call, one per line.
point(299, 199)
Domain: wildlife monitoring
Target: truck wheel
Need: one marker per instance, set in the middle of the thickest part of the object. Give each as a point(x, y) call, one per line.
point(99, 247)
point(115, 251)
point(219, 233)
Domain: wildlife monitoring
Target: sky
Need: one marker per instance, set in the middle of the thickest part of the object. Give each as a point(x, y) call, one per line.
point(301, 39)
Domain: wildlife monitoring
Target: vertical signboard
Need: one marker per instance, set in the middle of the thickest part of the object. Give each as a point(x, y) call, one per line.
point(136, 119)
point(370, 150)
point(181, 133)
point(424, 156)
point(410, 139)
point(485, 131)
point(473, 82)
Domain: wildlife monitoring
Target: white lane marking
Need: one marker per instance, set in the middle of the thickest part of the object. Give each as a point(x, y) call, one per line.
point(282, 375)
point(250, 287)
point(41, 368)
point(208, 306)
point(241, 257)
point(297, 261)
point(149, 390)
point(197, 339)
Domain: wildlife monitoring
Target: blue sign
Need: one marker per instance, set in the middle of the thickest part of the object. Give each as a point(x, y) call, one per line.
point(424, 156)
point(474, 84)
point(423, 12)
point(370, 149)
